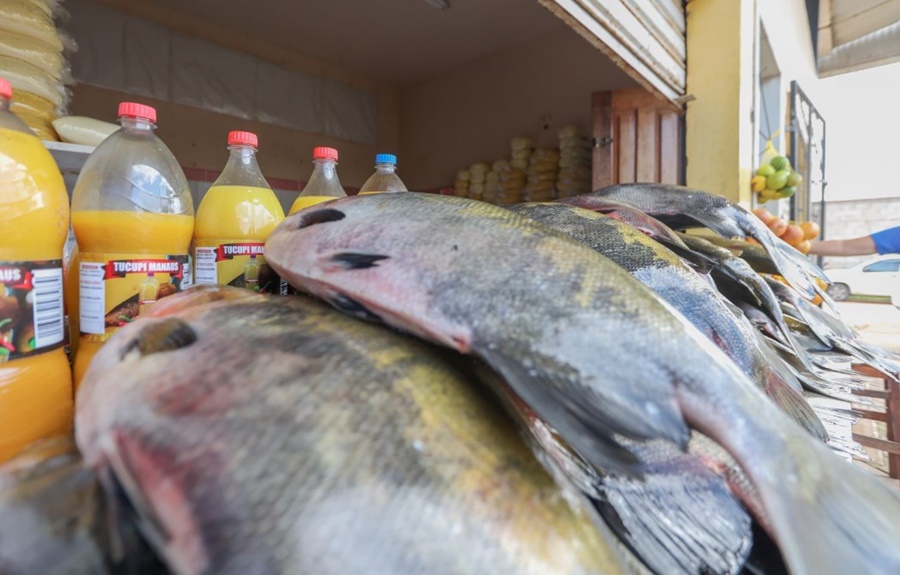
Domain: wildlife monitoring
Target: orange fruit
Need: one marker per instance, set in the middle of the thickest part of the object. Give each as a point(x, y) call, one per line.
point(778, 226)
point(810, 230)
point(763, 214)
point(803, 247)
point(793, 235)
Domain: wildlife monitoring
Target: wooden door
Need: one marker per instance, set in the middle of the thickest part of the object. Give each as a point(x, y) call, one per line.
point(638, 138)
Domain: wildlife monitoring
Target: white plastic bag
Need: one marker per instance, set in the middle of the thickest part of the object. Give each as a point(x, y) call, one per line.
point(83, 130)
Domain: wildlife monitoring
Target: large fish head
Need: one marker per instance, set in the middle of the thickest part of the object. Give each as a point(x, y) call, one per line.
point(340, 249)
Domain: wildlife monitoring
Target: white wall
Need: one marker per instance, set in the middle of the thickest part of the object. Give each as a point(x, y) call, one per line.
point(787, 26)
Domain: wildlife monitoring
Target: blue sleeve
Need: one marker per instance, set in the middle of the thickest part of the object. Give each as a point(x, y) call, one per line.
point(887, 241)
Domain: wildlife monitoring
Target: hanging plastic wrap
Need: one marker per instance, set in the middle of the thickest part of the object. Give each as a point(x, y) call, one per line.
point(128, 54)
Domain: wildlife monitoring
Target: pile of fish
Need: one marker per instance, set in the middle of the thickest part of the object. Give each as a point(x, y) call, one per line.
point(570, 387)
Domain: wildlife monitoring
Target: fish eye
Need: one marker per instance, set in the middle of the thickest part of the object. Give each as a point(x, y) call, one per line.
point(320, 217)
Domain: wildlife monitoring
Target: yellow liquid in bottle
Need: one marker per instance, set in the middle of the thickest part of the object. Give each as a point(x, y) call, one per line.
point(307, 201)
point(237, 213)
point(124, 234)
point(234, 216)
point(71, 287)
point(35, 391)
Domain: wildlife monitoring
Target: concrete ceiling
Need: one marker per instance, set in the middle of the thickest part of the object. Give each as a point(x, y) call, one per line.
point(857, 34)
point(397, 41)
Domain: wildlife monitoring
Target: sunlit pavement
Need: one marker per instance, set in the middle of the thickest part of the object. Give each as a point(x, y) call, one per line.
point(876, 322)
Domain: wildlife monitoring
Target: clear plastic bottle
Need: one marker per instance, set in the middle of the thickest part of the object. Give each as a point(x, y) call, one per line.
point(35, 377)
point(251, 273)
point(132, 214)
point(234, 220)
point(385, 178)
point(324, 184)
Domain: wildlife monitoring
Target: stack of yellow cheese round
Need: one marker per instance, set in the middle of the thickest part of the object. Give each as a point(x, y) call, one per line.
point(542, 171)
point(574, 163)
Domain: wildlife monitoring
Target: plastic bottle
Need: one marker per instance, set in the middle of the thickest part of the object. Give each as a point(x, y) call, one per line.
point(385, 178)
point(149, 293)
point(35, 377)
point(132, 214)
point(70, 283)
point(324, 184)
point(234, 220)
point(251, 273)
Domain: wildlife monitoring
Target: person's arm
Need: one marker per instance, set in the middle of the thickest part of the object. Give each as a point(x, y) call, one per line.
point(855, 247)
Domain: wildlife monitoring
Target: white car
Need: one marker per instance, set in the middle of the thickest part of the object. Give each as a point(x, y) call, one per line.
point(875, 276)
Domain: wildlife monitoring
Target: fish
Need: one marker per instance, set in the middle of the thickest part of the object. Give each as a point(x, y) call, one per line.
point(754, 295)
point(670, 278)
point(53, 519)
point(682, 207)
point(745, 288)
point(679, 517)
point(265, 434)
point(833, 331)
point(592, 351)
point(754, 254)
point(644, 223)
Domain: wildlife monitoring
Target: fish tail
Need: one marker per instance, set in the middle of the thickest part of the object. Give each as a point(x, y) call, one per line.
point(831, 518)
point(835, 387)
point(680, 519)
point(794, 405)
point(875, 357)
point(792, 267)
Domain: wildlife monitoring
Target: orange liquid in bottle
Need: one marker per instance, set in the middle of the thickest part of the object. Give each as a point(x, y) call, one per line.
point(35, 390)
point(229, 215)
point(125, 235)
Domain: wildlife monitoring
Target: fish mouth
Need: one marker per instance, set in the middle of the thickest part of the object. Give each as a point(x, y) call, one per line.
point(353, 308)
point(443, 332)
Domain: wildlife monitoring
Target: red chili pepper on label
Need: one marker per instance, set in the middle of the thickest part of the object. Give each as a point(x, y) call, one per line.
point(26, 283)
point(5, 343)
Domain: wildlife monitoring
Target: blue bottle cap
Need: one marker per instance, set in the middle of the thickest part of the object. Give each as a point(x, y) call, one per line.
point(386, 159)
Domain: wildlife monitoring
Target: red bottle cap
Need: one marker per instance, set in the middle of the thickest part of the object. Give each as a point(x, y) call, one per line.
point(5, 89)
point(135, 110)
point(322, 153)
point(237, 138)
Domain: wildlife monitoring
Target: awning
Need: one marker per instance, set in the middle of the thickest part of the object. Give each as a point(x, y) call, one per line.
point(857, 34)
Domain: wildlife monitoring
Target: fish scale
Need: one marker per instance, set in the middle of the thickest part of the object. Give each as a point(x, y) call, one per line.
point(669, 277)
point(642, 370)
point(681, 207)
point(320, 444)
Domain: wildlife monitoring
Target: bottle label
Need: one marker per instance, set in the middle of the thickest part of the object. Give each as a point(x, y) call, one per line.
point(31, 308)
point(116, 289)
point(236, 264)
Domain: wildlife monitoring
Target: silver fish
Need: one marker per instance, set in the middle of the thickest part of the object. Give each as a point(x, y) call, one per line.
point(681, 207)
point(592, 351)
point(259, 434)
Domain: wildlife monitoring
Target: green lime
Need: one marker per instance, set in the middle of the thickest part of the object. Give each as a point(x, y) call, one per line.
point(778, 180)
point(765, 170)
point(794, 179)
point(779, 162)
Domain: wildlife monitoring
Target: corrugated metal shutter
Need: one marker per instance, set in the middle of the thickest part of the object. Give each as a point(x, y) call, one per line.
point(645, 37)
